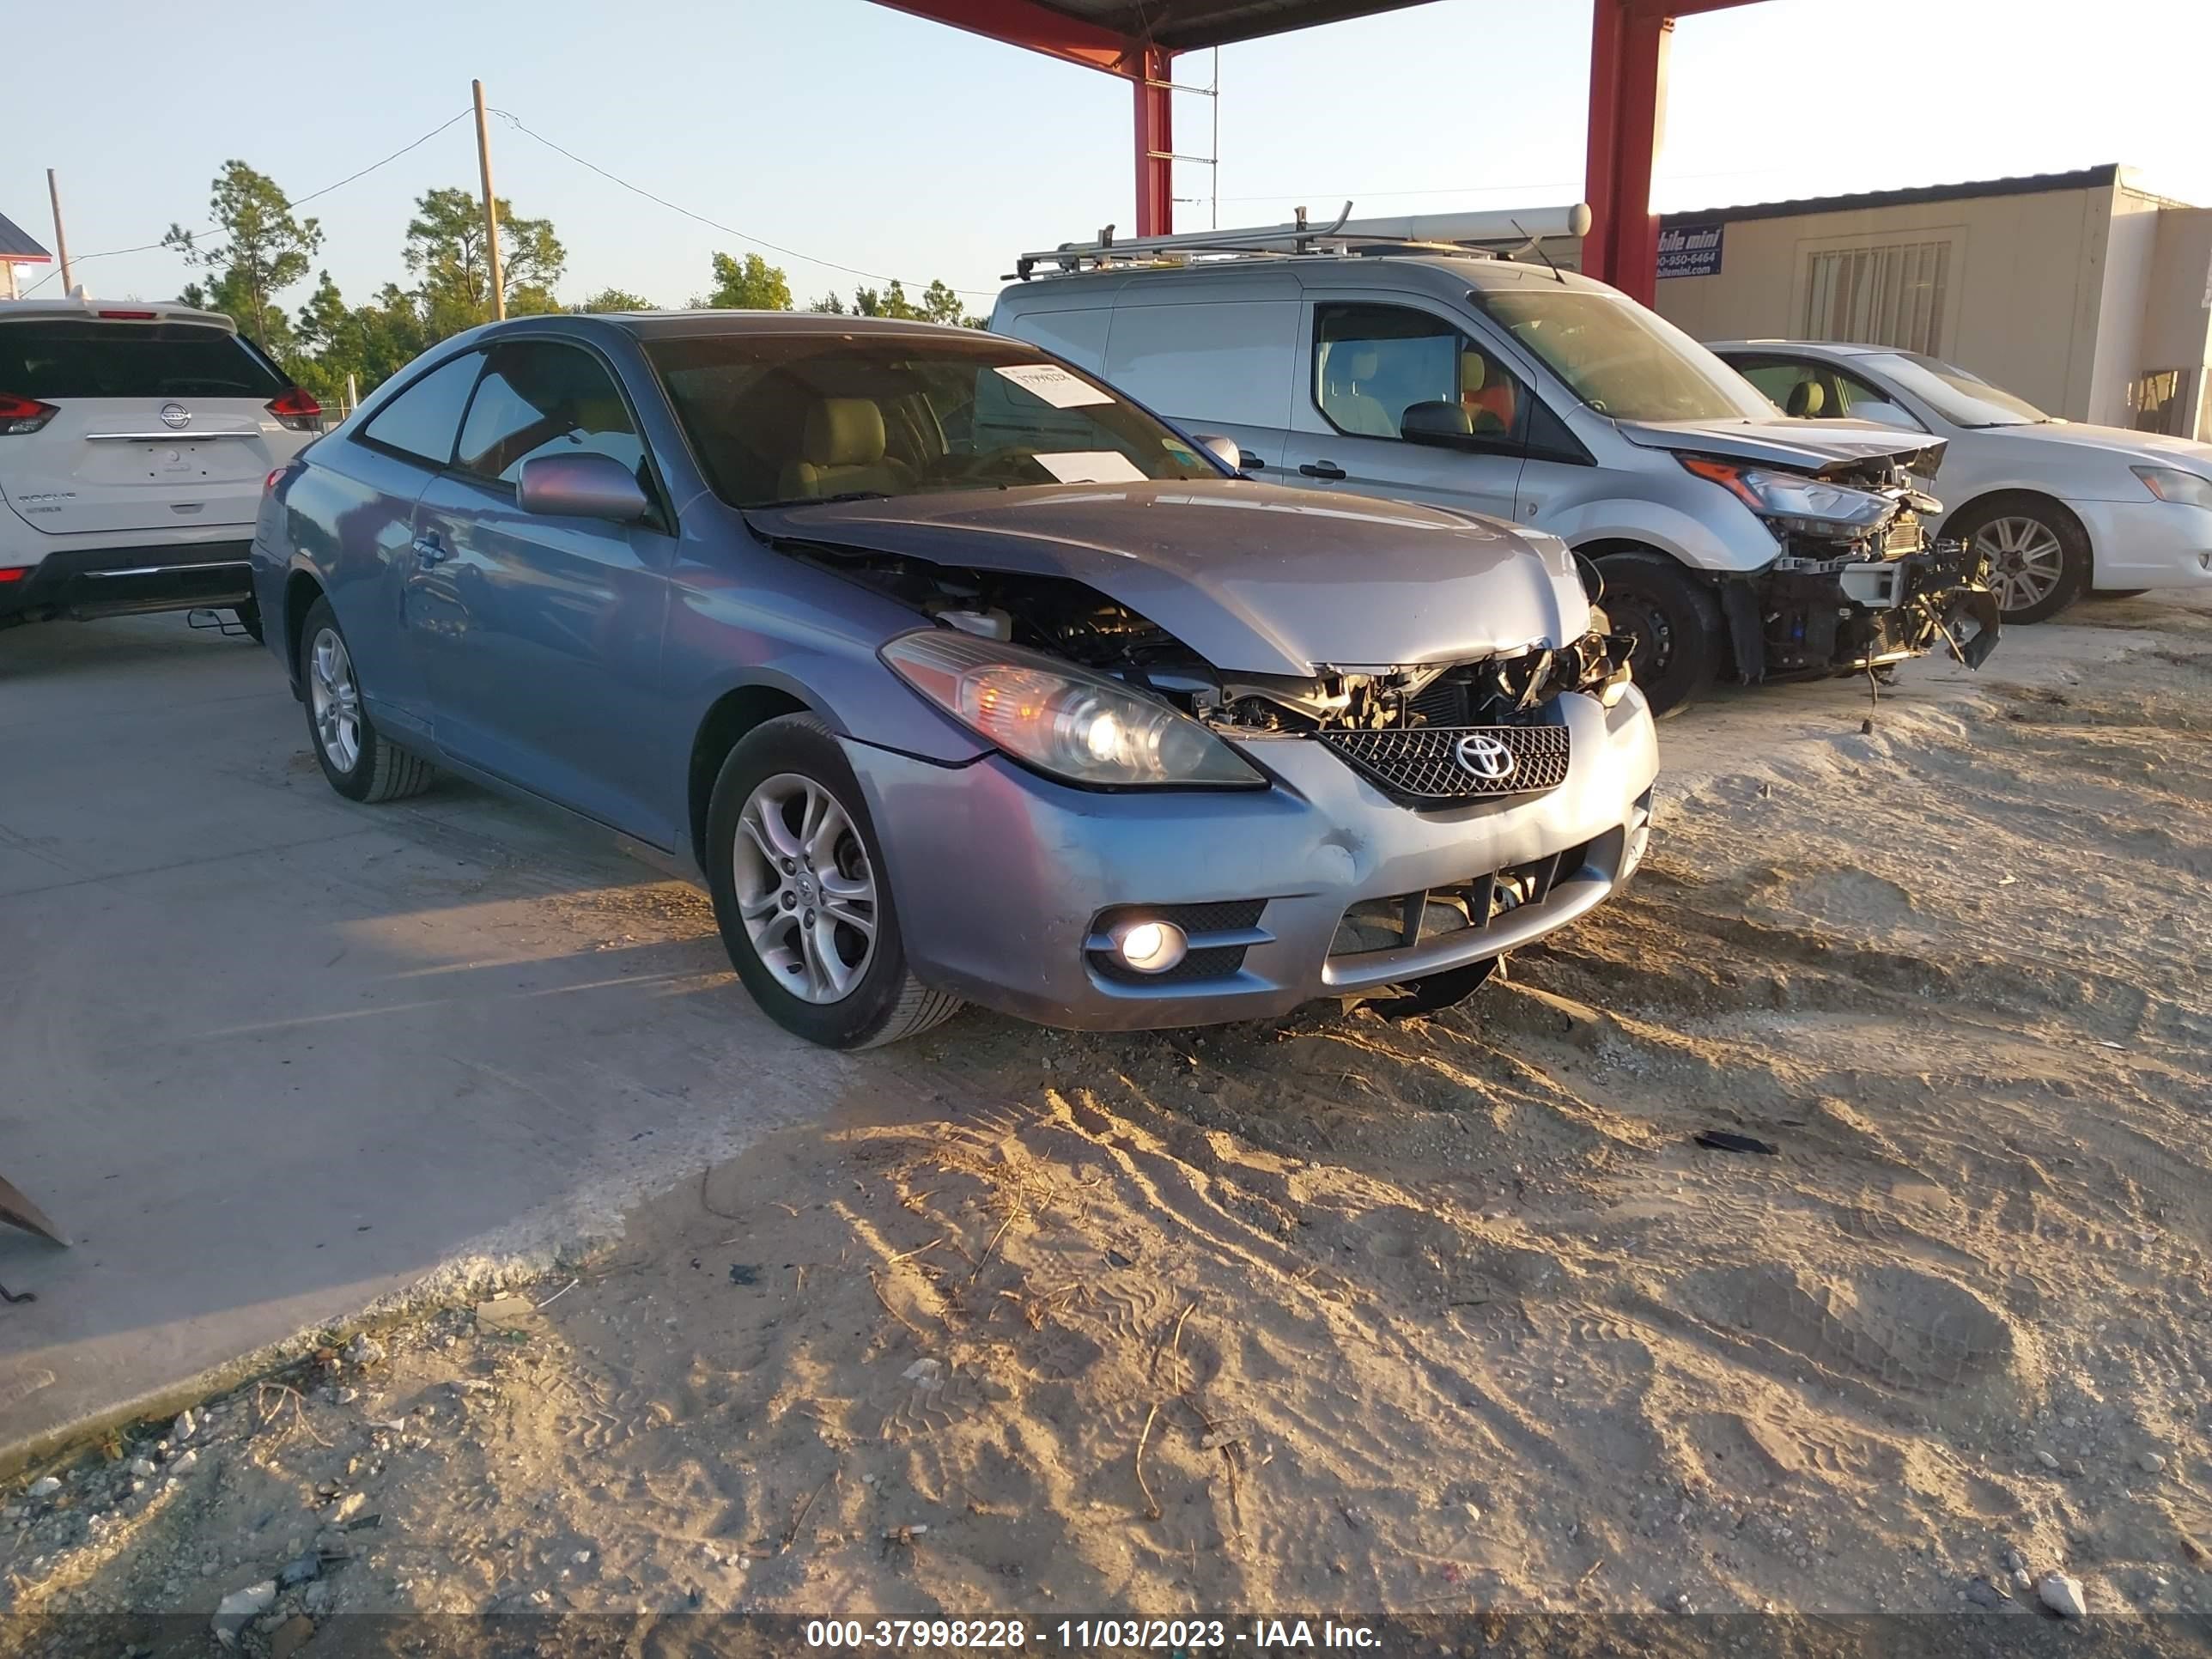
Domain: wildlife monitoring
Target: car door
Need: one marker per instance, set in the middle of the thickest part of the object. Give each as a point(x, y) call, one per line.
point(1367, 363)
point(371, 564)
point(541, 636)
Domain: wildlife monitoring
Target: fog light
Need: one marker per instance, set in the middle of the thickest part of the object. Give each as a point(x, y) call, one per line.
point(1149, 947)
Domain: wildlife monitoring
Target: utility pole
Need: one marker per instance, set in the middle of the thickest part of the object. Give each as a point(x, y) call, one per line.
point(491, 211)
point(61, 237)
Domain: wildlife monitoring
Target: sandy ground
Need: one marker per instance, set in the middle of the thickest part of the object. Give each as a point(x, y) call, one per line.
point(1445, 1315)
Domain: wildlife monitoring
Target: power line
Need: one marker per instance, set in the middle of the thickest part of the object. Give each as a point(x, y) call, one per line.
point(145, 247)
point(516, 122)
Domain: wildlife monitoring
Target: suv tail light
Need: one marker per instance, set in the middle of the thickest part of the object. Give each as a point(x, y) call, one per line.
point(19, 416)
point(298, 410)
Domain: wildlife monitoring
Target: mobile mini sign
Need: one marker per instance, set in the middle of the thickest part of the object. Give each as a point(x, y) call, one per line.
point(1690, 249)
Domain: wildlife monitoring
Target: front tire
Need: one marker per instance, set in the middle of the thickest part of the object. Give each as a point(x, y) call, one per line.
point(2038, 552)
point(358, 761)
point(802, 896)
point(1675, 621)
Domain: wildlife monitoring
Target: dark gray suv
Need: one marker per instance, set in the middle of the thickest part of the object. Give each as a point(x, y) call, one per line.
point(958, 676)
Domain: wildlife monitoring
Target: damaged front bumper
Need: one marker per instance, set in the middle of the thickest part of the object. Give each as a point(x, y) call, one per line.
point(1010, 884)
point(1807, 618)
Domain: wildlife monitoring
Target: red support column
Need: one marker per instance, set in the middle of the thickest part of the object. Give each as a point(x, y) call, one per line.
point(1155, 140)
point(1629, 43)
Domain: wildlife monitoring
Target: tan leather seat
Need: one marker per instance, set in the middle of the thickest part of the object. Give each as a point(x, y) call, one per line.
point(1488, 399)
point(842, 450)
point(1348, 364)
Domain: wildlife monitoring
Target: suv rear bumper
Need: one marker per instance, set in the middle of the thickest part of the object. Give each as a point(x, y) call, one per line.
point(81, 584)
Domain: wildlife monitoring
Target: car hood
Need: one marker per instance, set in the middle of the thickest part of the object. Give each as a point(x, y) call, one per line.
point(1255, 577)
point(2143, 448)
point(1803, 445)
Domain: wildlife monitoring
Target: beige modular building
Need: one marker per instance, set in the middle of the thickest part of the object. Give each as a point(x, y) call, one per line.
point(2081, 291)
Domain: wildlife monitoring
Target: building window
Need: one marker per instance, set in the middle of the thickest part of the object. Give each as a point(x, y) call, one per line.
point(1891, 295)
point(2158, 402)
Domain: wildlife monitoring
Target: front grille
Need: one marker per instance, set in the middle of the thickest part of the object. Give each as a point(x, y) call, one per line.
point(1428, 763)
point(1409, 919)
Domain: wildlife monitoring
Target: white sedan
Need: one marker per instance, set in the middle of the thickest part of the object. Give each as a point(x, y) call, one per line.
point(2060, 508)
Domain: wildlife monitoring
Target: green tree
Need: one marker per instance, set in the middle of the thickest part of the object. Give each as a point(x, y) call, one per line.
point(368, 342)
point(446, 250)
point(828, 306)
point(616, 299)
point(890, 302)
point(941, 304)
point(753, 285)
point(255, 251)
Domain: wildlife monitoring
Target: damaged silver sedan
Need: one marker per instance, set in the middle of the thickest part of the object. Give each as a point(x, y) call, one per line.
point(957, 676)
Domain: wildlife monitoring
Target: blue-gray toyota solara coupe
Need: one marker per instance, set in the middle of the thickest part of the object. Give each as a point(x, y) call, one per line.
point(957, 676)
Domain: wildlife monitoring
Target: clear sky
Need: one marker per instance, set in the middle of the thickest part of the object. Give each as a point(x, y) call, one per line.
point(860, 136)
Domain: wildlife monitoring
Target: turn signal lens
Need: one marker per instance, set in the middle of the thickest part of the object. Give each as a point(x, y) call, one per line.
point(2171, 483)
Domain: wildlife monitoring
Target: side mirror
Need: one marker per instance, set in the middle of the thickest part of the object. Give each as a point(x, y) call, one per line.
point(582, 487)
point(1224, 450)
point(1443, 422)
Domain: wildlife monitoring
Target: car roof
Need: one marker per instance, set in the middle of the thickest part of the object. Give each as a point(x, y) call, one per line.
point(1817, 347)
point(114, 310)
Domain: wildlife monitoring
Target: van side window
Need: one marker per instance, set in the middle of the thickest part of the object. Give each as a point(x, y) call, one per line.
point(1372, 363)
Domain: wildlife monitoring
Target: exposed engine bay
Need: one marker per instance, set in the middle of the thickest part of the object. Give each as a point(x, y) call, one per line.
point(1070, 619)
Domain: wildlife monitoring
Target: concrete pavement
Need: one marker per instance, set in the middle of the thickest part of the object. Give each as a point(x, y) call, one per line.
point(268, 1056)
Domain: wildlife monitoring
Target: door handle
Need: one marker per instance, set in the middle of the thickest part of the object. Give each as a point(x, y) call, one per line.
point(1247, 462)
point(427, 548)
point(1321, 469)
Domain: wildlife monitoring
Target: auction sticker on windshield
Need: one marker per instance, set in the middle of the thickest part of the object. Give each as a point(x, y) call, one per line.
point(1091, 466)
point(1055, 385)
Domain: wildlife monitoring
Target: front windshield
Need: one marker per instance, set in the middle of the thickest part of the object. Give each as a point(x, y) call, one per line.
point(1623, 361)
point(779, 419)
point(1961, 398)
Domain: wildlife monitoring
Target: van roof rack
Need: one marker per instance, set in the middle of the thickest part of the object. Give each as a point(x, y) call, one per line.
point(1503, 232)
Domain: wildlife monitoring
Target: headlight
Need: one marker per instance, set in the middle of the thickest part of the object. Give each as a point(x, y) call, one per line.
point(1807, 504)
point(2171, 483)
point(1061, 719)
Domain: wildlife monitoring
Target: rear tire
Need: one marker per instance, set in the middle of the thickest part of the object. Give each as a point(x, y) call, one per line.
point(793, 763)
point(249, 618)
point(2039, 554)
point(1675, 621)
point(359, 761)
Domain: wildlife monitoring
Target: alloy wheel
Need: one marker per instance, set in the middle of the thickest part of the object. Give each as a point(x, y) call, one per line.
point(2026, 562)
point(805, 889)
point(336, 700)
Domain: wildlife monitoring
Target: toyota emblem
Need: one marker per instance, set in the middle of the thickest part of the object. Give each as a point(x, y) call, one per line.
point(1482, 755)
point(176, 416)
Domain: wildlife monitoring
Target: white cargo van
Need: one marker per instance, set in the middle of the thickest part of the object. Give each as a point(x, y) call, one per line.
point(1729, 538)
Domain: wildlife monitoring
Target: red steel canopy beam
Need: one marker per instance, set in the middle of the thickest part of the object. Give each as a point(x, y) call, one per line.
point(1629, 44)
point(1025, 23)
point(1146, 67)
